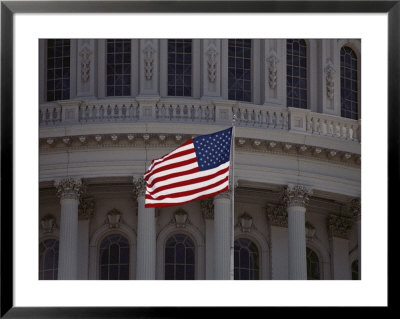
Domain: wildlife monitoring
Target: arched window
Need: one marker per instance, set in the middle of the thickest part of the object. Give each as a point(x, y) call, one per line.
point(354, 270)
point(313, 269)
point(48, 259)
point(180, 67)
point(114, 258)
point(118, 67)
point(179, 258)
point(246, 264)
point(348, 83)
point(239, 70)
point(58, 69)
point(296, 64)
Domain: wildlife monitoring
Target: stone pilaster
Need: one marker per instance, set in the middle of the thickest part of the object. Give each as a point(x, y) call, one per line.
point(296, 197)
point(222, 236)
point(146, 235)
point(207, 210)
point(278, 222)
point(85, 212)
point(356, 211)
point(68, 190)
point(338, 228)
point(86, 75)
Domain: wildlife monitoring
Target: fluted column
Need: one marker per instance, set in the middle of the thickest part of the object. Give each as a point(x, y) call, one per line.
point(356, 210)
point(68, 190)
point(278, 223)
point(222, 236)
point(296, 197)
point(146, 236)
point(207, 207)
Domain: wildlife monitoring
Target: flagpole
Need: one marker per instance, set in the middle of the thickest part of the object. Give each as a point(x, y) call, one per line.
point(232, 275)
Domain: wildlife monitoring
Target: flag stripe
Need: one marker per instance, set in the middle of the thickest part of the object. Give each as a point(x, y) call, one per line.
point(184, 193)
point(184, 199)
point(195, 184)
point(177, 178)
point(186, 146)
point(172, 168)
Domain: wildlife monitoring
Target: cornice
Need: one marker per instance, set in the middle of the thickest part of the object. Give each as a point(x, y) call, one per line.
point(168, 140)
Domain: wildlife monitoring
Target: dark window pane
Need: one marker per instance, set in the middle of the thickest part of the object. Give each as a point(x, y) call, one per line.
point(349, 84)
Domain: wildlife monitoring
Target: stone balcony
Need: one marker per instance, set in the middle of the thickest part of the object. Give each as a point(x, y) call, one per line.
point(198, 112)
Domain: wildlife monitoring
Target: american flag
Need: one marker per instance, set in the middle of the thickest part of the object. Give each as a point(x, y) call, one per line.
point(197, 169)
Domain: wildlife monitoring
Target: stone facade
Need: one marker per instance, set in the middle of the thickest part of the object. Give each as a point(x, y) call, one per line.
point(94, 150)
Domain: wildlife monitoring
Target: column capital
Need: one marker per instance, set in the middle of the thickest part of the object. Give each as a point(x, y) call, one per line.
point(139, 186)
point(68, 188)
point(296, 195)
point(277, 215)
point(86, 207)
point(339, 226)
point(207, 208)
point(224, 195)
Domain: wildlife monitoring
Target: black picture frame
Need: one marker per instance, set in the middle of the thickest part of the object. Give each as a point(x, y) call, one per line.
point(9, 8)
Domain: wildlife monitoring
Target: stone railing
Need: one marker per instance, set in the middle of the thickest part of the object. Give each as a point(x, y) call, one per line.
point(199, 112)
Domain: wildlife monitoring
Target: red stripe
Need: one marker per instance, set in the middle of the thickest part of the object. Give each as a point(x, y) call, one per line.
point(189, 192)
point(190, 181)
point(192, 200)
point(183, 153)
point(171, 166)
point(165, 155)
point(172, 175)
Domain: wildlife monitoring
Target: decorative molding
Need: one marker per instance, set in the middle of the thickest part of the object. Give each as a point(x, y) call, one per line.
point(68, 188)
point(245, 222)
point(207, 208)
point(330, 80)
point(339, 226)
point(180, 218)
point(48, 223)
point(148, 61)
point(296, 195)
point(212, 62)
point(86, 206)
point(85, 54)
point(113, 218)
point(310, 231)
point(139, 186)
point(355, 207)
point(272, 62)
point(277, 215)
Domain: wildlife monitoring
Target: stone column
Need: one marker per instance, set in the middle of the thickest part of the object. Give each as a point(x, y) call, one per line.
point(356, 210)
point(207, 207)
point(85, 212)
point(339, 227)
point(278, 223)
point(296, 197)
point(222, 235)
point(68, 190)
point(146, 235)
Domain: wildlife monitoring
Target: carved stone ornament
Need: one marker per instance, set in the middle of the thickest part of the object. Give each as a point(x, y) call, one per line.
point(207, 208)
point(139, 185)
point(272, 70)
point(85, 54)
point(245, 221)
point(68, 188)
point(355, 207)
point(148, 61)
point(180, 218)
point(310, 231)
point(277, 215)
point(330, 81)
point(296, 195)
point(212, 63)
point(48, 223)
point(86, 207)
point(114, 218)
point(339, 226)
